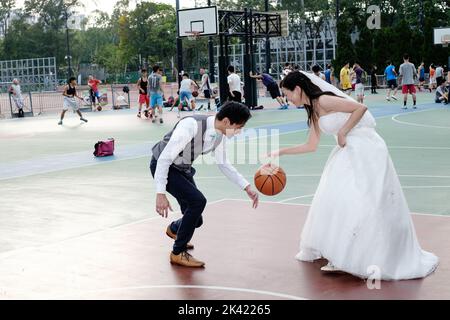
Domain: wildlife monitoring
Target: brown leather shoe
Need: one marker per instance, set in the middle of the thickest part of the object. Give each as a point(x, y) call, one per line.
point(172, 235)
point(186, 260)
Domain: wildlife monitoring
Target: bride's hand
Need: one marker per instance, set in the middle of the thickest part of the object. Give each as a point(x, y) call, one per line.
point(342, 140)
point(274, 154)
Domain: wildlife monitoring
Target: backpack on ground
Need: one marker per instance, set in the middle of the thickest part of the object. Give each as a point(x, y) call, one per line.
point(104, 148)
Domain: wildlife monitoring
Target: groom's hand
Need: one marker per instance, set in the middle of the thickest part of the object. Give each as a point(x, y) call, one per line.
point(162, 205)
point(253, 195)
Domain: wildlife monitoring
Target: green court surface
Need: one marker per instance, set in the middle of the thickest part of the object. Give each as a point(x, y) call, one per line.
point(52, 188)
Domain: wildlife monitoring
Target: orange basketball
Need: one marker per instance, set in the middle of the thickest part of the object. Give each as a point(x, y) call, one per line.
point(270, 180)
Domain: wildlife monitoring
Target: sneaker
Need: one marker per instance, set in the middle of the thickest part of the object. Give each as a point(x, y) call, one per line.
point(83, 119)
point(138, 115)
point(388, 99)
point(405, 108)
point(393, 97)
point(329, 268)
point(414, 107)
point(60, 123)
point(161, 120)
point(154, 120)
point(283, 107)
point(184, 259)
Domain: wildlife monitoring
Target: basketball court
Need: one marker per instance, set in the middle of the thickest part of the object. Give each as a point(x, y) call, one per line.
point(77, 227)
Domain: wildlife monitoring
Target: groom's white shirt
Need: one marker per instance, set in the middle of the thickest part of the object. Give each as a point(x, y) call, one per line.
point(185, 131)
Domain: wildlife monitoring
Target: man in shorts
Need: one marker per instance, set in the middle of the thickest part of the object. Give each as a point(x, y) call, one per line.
point(272, 88)
point(206, 86)
point(142, 86)
point(344, 77)
point(93, 90)
point(359, 87)
point(391, 77)
point(408, 72)
point(421, 72)
point(186, 88)
point(16, 94)
point(156, 93)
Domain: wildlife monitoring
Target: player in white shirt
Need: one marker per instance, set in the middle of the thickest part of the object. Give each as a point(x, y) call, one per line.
point(186, 87)
point(205, 87)
point(16, 93)
point(234, 84)
point(287, 69)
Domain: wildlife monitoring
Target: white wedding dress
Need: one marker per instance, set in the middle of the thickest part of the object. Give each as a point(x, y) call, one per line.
point(359, 219)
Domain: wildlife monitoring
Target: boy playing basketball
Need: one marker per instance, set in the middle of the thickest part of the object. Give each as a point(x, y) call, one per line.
point(142, 85)
point(70, 93)
point(171, 167)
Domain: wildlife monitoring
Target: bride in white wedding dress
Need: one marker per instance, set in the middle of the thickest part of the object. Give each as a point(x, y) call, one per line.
point(359, 218)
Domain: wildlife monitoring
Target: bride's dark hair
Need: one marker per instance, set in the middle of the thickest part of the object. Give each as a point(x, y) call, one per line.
point(313, 92)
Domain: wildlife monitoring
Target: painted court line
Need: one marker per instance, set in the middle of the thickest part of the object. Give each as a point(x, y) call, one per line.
point(394, 118)
point(233, 289)
point(309, 205)
point(82, 159)
point(319, 175)
point(92, 233)
point(389, 147)
point(301, 197)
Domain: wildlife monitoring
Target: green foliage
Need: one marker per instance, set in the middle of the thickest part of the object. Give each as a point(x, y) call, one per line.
point(127, 39)
point(401, 32)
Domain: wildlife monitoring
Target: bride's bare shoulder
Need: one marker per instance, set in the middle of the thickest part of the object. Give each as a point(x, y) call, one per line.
point(325, 103)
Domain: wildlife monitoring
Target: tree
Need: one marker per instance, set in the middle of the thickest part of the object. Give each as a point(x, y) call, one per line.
point(5, 12)
point(402, 31)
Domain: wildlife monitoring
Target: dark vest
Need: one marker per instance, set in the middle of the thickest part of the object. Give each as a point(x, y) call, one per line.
point(192, 150)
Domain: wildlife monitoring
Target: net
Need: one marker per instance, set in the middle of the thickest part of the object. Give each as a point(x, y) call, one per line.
point(194, 35)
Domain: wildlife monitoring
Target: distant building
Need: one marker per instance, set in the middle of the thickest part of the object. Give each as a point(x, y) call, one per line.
point(76, 21)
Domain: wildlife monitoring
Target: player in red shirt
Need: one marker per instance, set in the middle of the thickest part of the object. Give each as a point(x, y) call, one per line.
point(93, 91)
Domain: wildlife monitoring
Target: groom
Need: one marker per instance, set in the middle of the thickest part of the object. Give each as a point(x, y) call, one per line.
point(171, 167)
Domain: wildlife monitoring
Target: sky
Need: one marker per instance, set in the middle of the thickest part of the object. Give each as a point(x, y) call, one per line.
point(105, 5)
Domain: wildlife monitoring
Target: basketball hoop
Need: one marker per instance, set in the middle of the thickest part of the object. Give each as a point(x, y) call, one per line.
point(193, 35)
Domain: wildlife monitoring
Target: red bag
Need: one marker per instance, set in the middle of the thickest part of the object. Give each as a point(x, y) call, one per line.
point(104, 148)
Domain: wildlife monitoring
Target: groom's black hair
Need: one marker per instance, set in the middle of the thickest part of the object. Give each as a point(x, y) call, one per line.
point(238, 113)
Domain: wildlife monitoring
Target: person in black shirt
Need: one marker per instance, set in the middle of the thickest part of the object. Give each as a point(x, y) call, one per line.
point(70, 93)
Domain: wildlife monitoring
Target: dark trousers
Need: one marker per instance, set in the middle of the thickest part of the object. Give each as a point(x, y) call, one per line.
point(237, 96)
point(192, 202)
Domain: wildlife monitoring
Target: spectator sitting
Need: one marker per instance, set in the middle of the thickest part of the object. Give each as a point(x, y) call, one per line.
point(442, 93)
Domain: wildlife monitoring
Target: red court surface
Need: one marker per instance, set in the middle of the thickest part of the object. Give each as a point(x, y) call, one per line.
point(249, 255)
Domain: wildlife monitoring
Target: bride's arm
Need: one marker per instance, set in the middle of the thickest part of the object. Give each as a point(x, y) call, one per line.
point(310, 146)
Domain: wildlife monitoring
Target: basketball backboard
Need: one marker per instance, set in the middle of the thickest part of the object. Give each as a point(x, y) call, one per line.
point(441, 36)
point(202, 20)
point(284, 22)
